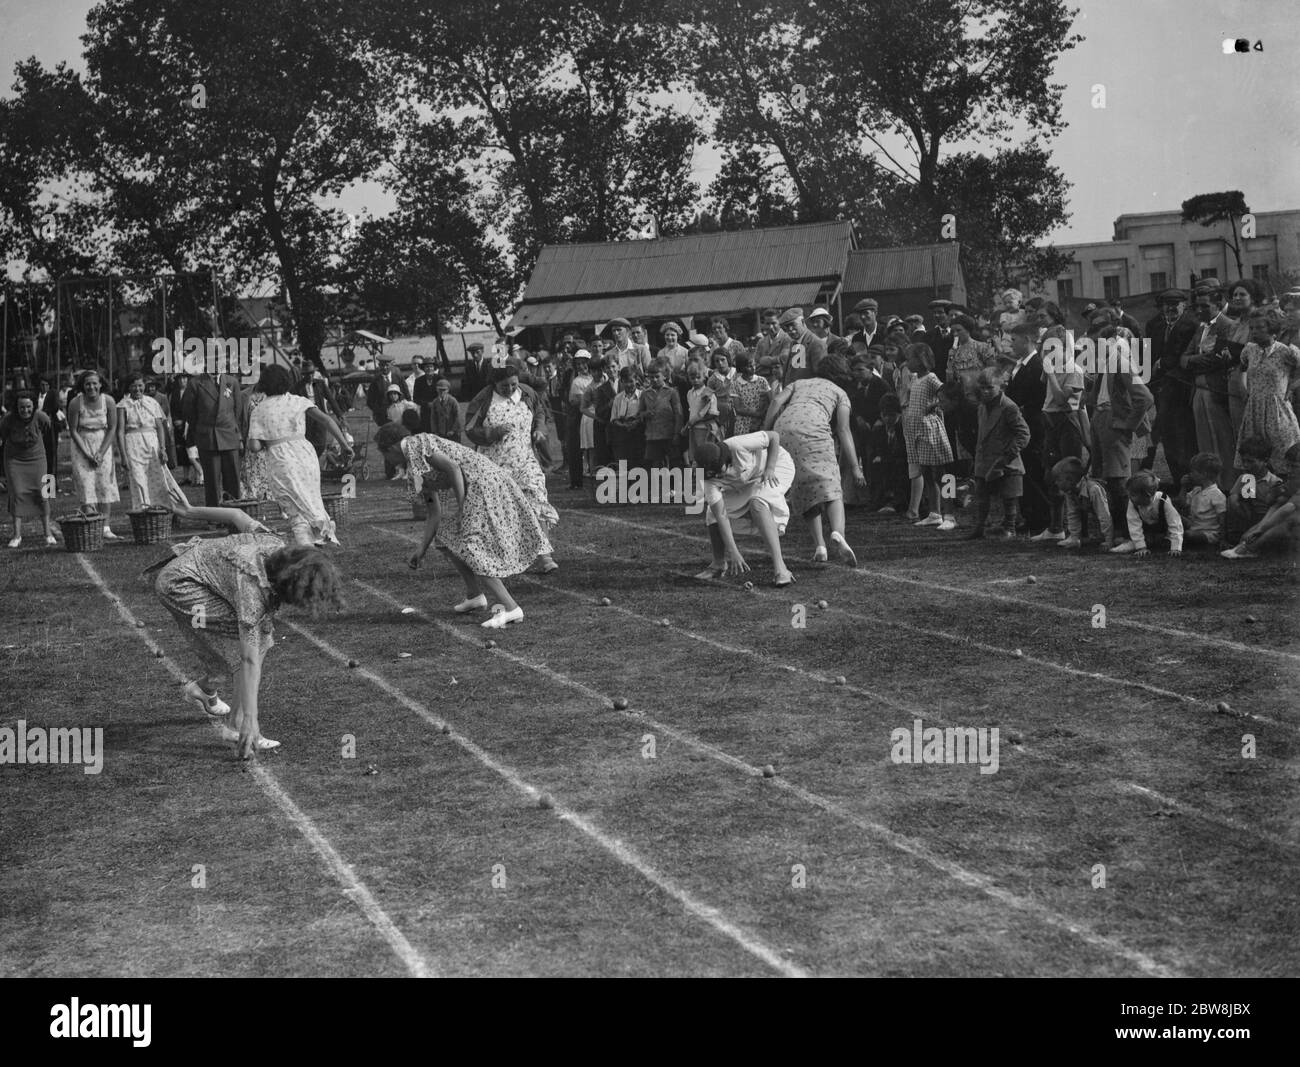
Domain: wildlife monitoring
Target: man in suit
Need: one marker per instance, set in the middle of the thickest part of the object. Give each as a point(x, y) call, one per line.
point(806, 349)
point(1022, 371)
point(1122, 407)
point(474, 376)
point(214, 409)
point(1170, 332)
point(940, 338)
point(377, 391)
point(1210, 356)
point(868, 310)
point(772, 340)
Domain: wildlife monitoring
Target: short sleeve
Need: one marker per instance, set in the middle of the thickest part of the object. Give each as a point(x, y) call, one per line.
point(748, 442)
point(257, 426)
point(299, 404)
point(712, 492)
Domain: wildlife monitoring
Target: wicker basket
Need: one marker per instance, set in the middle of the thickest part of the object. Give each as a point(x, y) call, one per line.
point(82, 533)
point(252, 508)
point(336, 506)
point(150, 525)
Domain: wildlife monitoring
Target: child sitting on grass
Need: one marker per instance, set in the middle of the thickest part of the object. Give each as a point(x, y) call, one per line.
point(1280, 526)
point(1205, 505)
point(1251, 494)
point(1082, 496)
point(887, 474)
point(1153, 522)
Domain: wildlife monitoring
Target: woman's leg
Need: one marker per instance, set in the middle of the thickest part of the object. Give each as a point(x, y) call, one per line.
point(18, 530)
point(719, 549)
point(213, 665)
point(473, 587)
point(917, 478)
point(835, 516)
point(761, 514)
point(819, 539)
point(496, 589)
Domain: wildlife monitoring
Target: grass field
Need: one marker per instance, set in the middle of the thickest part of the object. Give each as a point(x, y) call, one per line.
point(500, 817)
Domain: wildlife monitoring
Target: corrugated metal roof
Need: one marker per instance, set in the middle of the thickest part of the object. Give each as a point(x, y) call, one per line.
point(744, 257)
point(911, 267)
point(668, 305)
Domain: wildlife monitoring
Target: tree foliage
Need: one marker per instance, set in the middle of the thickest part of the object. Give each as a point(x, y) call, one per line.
point(1206, 209)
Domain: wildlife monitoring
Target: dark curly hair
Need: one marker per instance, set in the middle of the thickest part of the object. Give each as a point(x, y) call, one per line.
point(304, 576)
point(275, 381)
point(835, 368)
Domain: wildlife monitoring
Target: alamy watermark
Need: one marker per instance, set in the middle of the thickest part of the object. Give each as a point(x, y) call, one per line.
point(1099, 355)
point(954, 744)
point(211, 355)
point(75, 1019)
point(57, 745)
point(658, 485)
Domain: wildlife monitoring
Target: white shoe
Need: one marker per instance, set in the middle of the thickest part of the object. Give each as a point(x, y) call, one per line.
point(474, 603)
point(264, 744)
point(109, 535)
point(949, 523)
point(51, 540)
point(933, 519)
point(886, 510)
point(1069, 542)
point(711, 574)
point(1240, 552)
point(846, 553)
point(501, 618)
point(1049, 535)
point(1124, 548)
point(820, 556)
point(16, 542)
point(211, 704)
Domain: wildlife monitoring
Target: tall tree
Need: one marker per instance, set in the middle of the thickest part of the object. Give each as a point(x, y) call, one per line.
point(213, 133)
point(1207, 209)
point(555, 111)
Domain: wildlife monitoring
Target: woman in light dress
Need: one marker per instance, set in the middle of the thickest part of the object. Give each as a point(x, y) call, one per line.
point(92, 425)
point(746, 479)
point(142, 442)
point(279, 425)
point(510, 426)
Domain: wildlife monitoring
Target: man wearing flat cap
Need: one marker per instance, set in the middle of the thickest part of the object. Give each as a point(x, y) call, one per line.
point(1170, 332)
point(1023, 383)
point(625, 353)
point(868, 310)
point(806, 349)
point(377, 392)
point(940, 338)
point(474, 376)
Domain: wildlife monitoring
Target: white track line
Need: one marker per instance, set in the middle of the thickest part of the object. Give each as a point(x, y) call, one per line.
point(621, 852)
point(353, 887)
point(912, 847)
point(1056, 609)
point(913, 710)
point(970, 642)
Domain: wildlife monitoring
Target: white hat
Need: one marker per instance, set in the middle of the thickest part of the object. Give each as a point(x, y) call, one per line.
point(699, 340)
point(582, 353)
point(818, 311)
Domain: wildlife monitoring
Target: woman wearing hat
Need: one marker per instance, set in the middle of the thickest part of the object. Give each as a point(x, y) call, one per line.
point(578, 427)
point(480, 518)
point(746, 479)
point(508, 424)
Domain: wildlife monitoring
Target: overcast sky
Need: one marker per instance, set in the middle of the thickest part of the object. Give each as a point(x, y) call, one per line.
point(1181, 117)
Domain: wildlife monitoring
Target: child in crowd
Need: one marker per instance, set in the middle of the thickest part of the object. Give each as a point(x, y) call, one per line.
point(887, 471)
point(720, 382)
point(750, 395)
point(928, 451)
point(1280, 526)
point(661, 417)
point(625, 420)
point(1082, 496)
point(1153, 522)
point(702, 421)
point(1003, 435)
point(1205, 505)
point(1252, 492)
point(442, 415)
